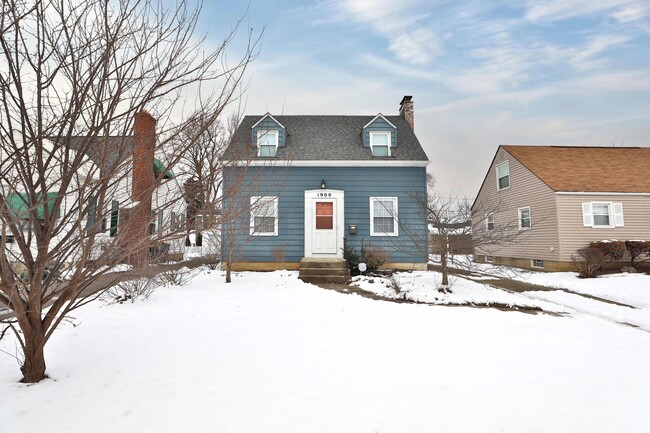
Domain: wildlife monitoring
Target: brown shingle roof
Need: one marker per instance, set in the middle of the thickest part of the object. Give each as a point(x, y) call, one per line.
point(587, 169)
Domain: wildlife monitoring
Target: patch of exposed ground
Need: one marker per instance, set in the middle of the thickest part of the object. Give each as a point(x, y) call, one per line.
point(350, 289)
point(520, 286)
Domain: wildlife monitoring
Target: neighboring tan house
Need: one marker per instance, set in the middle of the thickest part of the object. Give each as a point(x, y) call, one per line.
point(304, 183)
point(539, 204)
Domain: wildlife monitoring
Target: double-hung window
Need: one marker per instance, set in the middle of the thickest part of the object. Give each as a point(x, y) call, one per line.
point(383, 216)
point(267, 143)
point(489, 221)
point(264, 216)
point(380, 143)
point(602, 214)
point(503, 176)
point(525, 221)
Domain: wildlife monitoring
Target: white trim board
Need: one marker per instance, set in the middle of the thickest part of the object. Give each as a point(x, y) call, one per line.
point(383, 117)
point(600, 193)
point(264, 117)
point(328, 163)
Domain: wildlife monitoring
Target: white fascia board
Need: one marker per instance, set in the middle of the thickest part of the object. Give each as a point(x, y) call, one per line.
point(264, 117)
point(599, 193)
point(331, 163)
point(375, 118)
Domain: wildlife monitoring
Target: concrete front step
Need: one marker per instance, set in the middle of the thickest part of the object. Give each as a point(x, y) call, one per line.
point(311, 262)
point(322, 279)
point(321, 270)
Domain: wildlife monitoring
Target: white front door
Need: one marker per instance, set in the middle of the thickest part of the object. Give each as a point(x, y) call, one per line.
point(324, 223)
point(324, 229)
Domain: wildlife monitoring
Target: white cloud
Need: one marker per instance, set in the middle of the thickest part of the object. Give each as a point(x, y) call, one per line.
point(584, 57)
point(402, 23)
point(631, 13)
point(417, 47)
point(555, 10)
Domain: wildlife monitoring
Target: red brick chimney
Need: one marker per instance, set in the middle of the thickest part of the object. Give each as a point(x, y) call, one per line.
point(406, 110)
point(142, 186)
point(144, 145)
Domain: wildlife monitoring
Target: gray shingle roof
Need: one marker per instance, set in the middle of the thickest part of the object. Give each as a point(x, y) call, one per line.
point(326, 138)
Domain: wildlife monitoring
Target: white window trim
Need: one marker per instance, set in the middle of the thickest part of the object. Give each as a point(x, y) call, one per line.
point(489, 259)
point(487, 222)
point(532, 263)
point(530, 218)
point(506, 163)
point(268, 132)
point(615, 211)
point(395, 217)
point(255, 204)
point(373, 133)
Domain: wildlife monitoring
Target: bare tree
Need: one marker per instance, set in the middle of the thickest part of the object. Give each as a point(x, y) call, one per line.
point(453, 216)
point(73, 77)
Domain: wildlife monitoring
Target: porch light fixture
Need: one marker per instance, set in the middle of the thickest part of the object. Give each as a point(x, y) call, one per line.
point(323, 185)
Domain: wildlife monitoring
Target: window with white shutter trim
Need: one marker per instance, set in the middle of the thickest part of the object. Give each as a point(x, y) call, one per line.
point(587, 217)
point(602, 214)
point(618, 214)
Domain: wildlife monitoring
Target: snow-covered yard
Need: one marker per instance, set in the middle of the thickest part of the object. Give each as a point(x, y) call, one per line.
point(269, 353)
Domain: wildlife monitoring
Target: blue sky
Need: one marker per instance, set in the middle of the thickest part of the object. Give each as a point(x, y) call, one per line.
point(481, 73)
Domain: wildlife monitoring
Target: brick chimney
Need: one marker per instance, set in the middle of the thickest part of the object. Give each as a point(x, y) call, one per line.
point(138, 217)
point(406, 110)
point(144, 144)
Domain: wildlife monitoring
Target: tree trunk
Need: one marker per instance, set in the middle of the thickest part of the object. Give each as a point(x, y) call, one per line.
point(443, 262)
point(228, 280)
point(33, 368)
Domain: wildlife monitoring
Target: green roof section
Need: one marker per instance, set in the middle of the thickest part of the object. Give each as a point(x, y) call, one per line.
point(17, 203)
point(159, 167)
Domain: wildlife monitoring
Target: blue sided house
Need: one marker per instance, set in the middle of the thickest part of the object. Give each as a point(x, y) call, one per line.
point(296, 188)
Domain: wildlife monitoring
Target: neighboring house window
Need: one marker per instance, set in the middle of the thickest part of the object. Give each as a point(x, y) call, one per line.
point(115, 217)
point(602, 214)
point(503, 176)
point(92, 215)
point(538, 263)
point(267, 143)
point(380, 143)
point(156, 223)
point(489, 259)
point(264, 216)
point(524, 218)
point(489, 221)
point(383, 216)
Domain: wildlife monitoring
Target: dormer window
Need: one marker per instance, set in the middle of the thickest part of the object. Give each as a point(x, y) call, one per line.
point(267, 143)
point(380, 143)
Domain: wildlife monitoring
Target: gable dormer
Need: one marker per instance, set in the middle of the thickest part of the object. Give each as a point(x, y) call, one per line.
point(380, 135)
point(267, 135)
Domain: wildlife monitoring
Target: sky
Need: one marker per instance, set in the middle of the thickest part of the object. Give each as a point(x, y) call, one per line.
point(481, 73)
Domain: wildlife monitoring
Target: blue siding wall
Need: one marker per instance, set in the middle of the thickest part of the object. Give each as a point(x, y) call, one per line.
point(269, 124)
point(358, 183)
point(379, 125)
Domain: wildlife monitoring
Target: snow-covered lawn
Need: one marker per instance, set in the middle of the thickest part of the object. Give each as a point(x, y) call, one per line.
point(269, 353)
point(423, 287)
point(631, 290)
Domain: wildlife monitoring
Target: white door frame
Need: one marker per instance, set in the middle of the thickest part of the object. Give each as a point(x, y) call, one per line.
point(330, 194)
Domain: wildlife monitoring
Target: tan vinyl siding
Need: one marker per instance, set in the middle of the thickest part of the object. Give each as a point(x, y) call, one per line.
point(526, 190)
point(573, 235)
